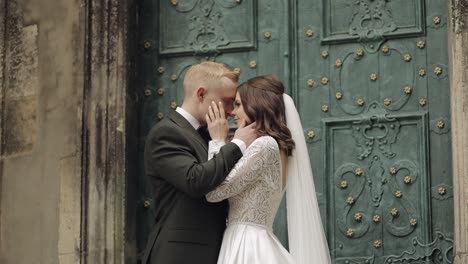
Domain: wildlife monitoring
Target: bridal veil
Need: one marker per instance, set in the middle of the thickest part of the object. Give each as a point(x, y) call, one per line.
point(307, 241)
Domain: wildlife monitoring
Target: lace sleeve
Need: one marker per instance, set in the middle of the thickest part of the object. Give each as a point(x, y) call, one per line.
point(262, 154)
point(213, 147)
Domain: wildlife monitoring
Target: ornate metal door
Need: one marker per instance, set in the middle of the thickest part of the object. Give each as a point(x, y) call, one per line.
point(370, 81)
point(248, 36)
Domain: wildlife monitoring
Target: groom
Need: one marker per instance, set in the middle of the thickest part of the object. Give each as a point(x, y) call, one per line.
point(187, 228)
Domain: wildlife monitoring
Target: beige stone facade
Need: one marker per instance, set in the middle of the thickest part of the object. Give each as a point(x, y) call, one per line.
point(62, 83)
point(65, 116)
point(41, 80)
point(458, 54)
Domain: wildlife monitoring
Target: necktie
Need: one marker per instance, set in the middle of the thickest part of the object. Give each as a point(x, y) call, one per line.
point(204, 133)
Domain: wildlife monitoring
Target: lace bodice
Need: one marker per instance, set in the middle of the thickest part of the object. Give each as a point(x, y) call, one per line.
point(253, 187)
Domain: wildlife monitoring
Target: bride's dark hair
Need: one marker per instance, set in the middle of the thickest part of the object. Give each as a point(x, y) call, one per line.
point(262, 99)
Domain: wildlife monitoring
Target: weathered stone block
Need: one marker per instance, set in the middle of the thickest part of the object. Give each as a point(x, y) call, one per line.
point(19, 126)
point(19, 95)
point(460, 15)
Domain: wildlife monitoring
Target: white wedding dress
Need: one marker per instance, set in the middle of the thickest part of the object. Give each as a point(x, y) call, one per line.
point(254, 190)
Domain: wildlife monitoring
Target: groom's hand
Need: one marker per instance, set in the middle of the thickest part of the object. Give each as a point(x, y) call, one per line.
point(246, 133)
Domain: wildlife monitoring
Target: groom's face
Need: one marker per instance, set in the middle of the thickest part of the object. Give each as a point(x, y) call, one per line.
point(225, 94)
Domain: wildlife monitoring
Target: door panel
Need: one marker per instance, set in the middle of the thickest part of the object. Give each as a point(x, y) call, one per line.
point(198, 26)
point(376, 124)
point(369, 78)
point(244, 35)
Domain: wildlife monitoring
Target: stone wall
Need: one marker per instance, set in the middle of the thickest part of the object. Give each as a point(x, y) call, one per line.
point(65, 110)
point(458, 53)
point(41, 97)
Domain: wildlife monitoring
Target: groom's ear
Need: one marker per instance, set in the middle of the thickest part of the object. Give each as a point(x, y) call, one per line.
point(200, 92)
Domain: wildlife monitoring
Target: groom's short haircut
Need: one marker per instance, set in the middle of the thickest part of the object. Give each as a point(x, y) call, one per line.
point(209, 75)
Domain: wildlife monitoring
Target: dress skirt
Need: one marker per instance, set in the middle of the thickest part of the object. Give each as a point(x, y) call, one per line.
point(247, 243)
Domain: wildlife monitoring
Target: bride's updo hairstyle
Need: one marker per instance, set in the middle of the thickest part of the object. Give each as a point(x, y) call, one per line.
point(262, 99)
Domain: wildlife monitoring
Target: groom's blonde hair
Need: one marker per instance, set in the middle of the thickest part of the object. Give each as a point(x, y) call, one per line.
point(207, 74)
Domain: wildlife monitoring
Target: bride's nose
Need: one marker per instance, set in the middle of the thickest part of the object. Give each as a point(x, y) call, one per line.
point(233, 112)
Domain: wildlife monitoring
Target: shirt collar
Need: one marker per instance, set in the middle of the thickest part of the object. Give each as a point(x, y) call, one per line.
point(192, 120)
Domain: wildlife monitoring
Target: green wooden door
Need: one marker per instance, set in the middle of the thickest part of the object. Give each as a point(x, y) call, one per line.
point(370, 81)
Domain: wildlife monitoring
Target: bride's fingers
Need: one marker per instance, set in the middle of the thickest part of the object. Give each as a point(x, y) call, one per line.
point(211, 113)
point(208, 119)
point(252, 125)
point(215, 109)
point(242, 123)
point(221, 110)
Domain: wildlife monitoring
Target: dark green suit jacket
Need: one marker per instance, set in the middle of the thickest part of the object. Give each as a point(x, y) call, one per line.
point(187, 229)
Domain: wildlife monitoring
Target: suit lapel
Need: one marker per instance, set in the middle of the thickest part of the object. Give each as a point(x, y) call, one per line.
point(191, 132)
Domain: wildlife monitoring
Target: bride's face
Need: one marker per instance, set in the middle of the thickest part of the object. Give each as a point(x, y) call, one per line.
point(238, 113)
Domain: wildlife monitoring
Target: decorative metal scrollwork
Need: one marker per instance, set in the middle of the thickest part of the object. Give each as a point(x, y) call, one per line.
point(376, 180)
point(346, 100)
point(440, 250)
point(353, 191)
point(351, 99)
point(206, 32)
point(371, 20)
point(404, 203)
point(392, 102)
point(375, 129)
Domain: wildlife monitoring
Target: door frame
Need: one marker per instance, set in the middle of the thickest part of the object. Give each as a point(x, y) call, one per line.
point(110, 119)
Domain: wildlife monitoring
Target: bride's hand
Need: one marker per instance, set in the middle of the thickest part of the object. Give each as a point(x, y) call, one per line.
point(217, 123)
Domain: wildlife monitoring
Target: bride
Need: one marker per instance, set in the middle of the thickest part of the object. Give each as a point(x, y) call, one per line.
point(277, 161)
